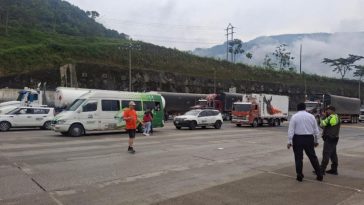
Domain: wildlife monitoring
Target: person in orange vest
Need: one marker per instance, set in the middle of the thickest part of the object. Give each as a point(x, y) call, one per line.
point(131, 119)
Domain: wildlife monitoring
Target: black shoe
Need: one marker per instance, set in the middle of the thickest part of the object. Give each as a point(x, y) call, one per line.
point(320, 178)
point(300, 177)
point(333, 172)
point(131, 150)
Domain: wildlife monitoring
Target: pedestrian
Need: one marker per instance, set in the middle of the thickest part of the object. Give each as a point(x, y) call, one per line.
point(303, 132)
point(147, 121)
point(131, 119)
point(330, 135)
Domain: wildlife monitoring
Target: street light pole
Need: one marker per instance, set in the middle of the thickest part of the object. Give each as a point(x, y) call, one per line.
point(130, 68)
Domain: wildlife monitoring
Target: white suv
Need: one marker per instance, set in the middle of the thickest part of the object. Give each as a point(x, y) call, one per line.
point(199, 118)
point(27, 117)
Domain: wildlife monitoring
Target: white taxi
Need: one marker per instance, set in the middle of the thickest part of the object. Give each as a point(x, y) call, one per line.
point(27, 117)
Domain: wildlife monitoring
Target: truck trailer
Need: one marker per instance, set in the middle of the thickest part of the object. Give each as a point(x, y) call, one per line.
point(347, 108)
point(259, 109)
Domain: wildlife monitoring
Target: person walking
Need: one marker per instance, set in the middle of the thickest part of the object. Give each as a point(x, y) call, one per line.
point(147, 120)
point(131, 119)
point(302, 135)
point(330, 135)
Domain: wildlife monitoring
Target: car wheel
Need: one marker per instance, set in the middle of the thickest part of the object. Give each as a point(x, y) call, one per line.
point(203, 127)
point(47, 125)
point(4, 126)
point(218, 124)
point(193, 125)
point(255, 123)
point(65, 133)
point(178, 127)
point(76, 130)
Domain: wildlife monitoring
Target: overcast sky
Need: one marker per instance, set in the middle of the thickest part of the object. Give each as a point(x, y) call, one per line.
point(187, 24)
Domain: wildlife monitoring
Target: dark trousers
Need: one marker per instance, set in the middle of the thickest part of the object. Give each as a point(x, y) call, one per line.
point(306, 143)
point(329, 152)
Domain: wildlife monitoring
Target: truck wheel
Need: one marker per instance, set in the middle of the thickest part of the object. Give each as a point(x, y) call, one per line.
point(47, 125)
point(192, 125)
point(218, 124)
point(4, 126)
point(239, 125)
point(255, 123)
point(276, 122)
point(76, 130)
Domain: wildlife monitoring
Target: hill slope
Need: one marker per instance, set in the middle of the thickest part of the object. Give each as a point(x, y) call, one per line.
point(316, 46)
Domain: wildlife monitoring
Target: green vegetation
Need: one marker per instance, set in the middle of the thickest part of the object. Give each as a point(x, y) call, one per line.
point(44, 34)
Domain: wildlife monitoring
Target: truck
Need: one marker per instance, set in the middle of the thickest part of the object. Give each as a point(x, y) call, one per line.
point(179, 103)
point(222, 102)
point(259, 109)
point(26, 97)
point(347, 108)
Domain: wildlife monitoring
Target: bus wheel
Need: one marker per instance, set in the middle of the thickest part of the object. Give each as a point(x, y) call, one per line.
point(76, 130)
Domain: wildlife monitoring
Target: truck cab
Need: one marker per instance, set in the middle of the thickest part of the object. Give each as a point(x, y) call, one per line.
point(361, 116)
point(244, 113)
point(26, 97)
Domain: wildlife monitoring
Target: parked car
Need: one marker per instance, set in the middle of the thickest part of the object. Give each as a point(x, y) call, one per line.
point(27, 117)
point(199, 118)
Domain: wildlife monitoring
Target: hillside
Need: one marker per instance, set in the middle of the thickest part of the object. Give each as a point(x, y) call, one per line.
point(36, 38)
point(315, 47)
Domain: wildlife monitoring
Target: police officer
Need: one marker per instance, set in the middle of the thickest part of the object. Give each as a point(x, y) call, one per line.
point(330, 135)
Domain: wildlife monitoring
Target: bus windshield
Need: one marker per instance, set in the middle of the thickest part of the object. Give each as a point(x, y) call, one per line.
point(75, 105)
point(242, 107)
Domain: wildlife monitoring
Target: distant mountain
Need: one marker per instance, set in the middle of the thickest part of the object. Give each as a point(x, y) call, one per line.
point(316, 46)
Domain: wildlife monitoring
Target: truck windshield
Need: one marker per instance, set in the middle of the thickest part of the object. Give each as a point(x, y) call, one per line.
point(242, 107)
point(310, 106)
point(192, 112)
point(75, 105)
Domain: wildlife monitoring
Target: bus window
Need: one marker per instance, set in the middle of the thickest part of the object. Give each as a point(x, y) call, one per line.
point(148, 105)
point(110, 105)
point(138, 105)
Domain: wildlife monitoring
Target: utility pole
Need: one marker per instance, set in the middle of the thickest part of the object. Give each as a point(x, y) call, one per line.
point(229, 33)
point(300, 58)
point(130, 47)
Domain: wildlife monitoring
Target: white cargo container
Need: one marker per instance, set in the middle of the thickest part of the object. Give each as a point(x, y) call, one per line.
point(259, 109)
point(65, 96)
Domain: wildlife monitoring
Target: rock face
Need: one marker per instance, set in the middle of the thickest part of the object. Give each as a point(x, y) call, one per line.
point(114, 78)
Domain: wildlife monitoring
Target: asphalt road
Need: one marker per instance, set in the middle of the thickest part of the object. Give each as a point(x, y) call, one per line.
point(205, 166)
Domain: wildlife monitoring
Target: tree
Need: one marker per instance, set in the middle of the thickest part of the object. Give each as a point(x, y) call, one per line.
point(92, 14)
point(236, 48)
point(283, 57)
point(359, 72)
point(268, 64)
point(342, 65)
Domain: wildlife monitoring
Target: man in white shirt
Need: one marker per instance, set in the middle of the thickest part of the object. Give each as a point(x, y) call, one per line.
point(303, 132)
